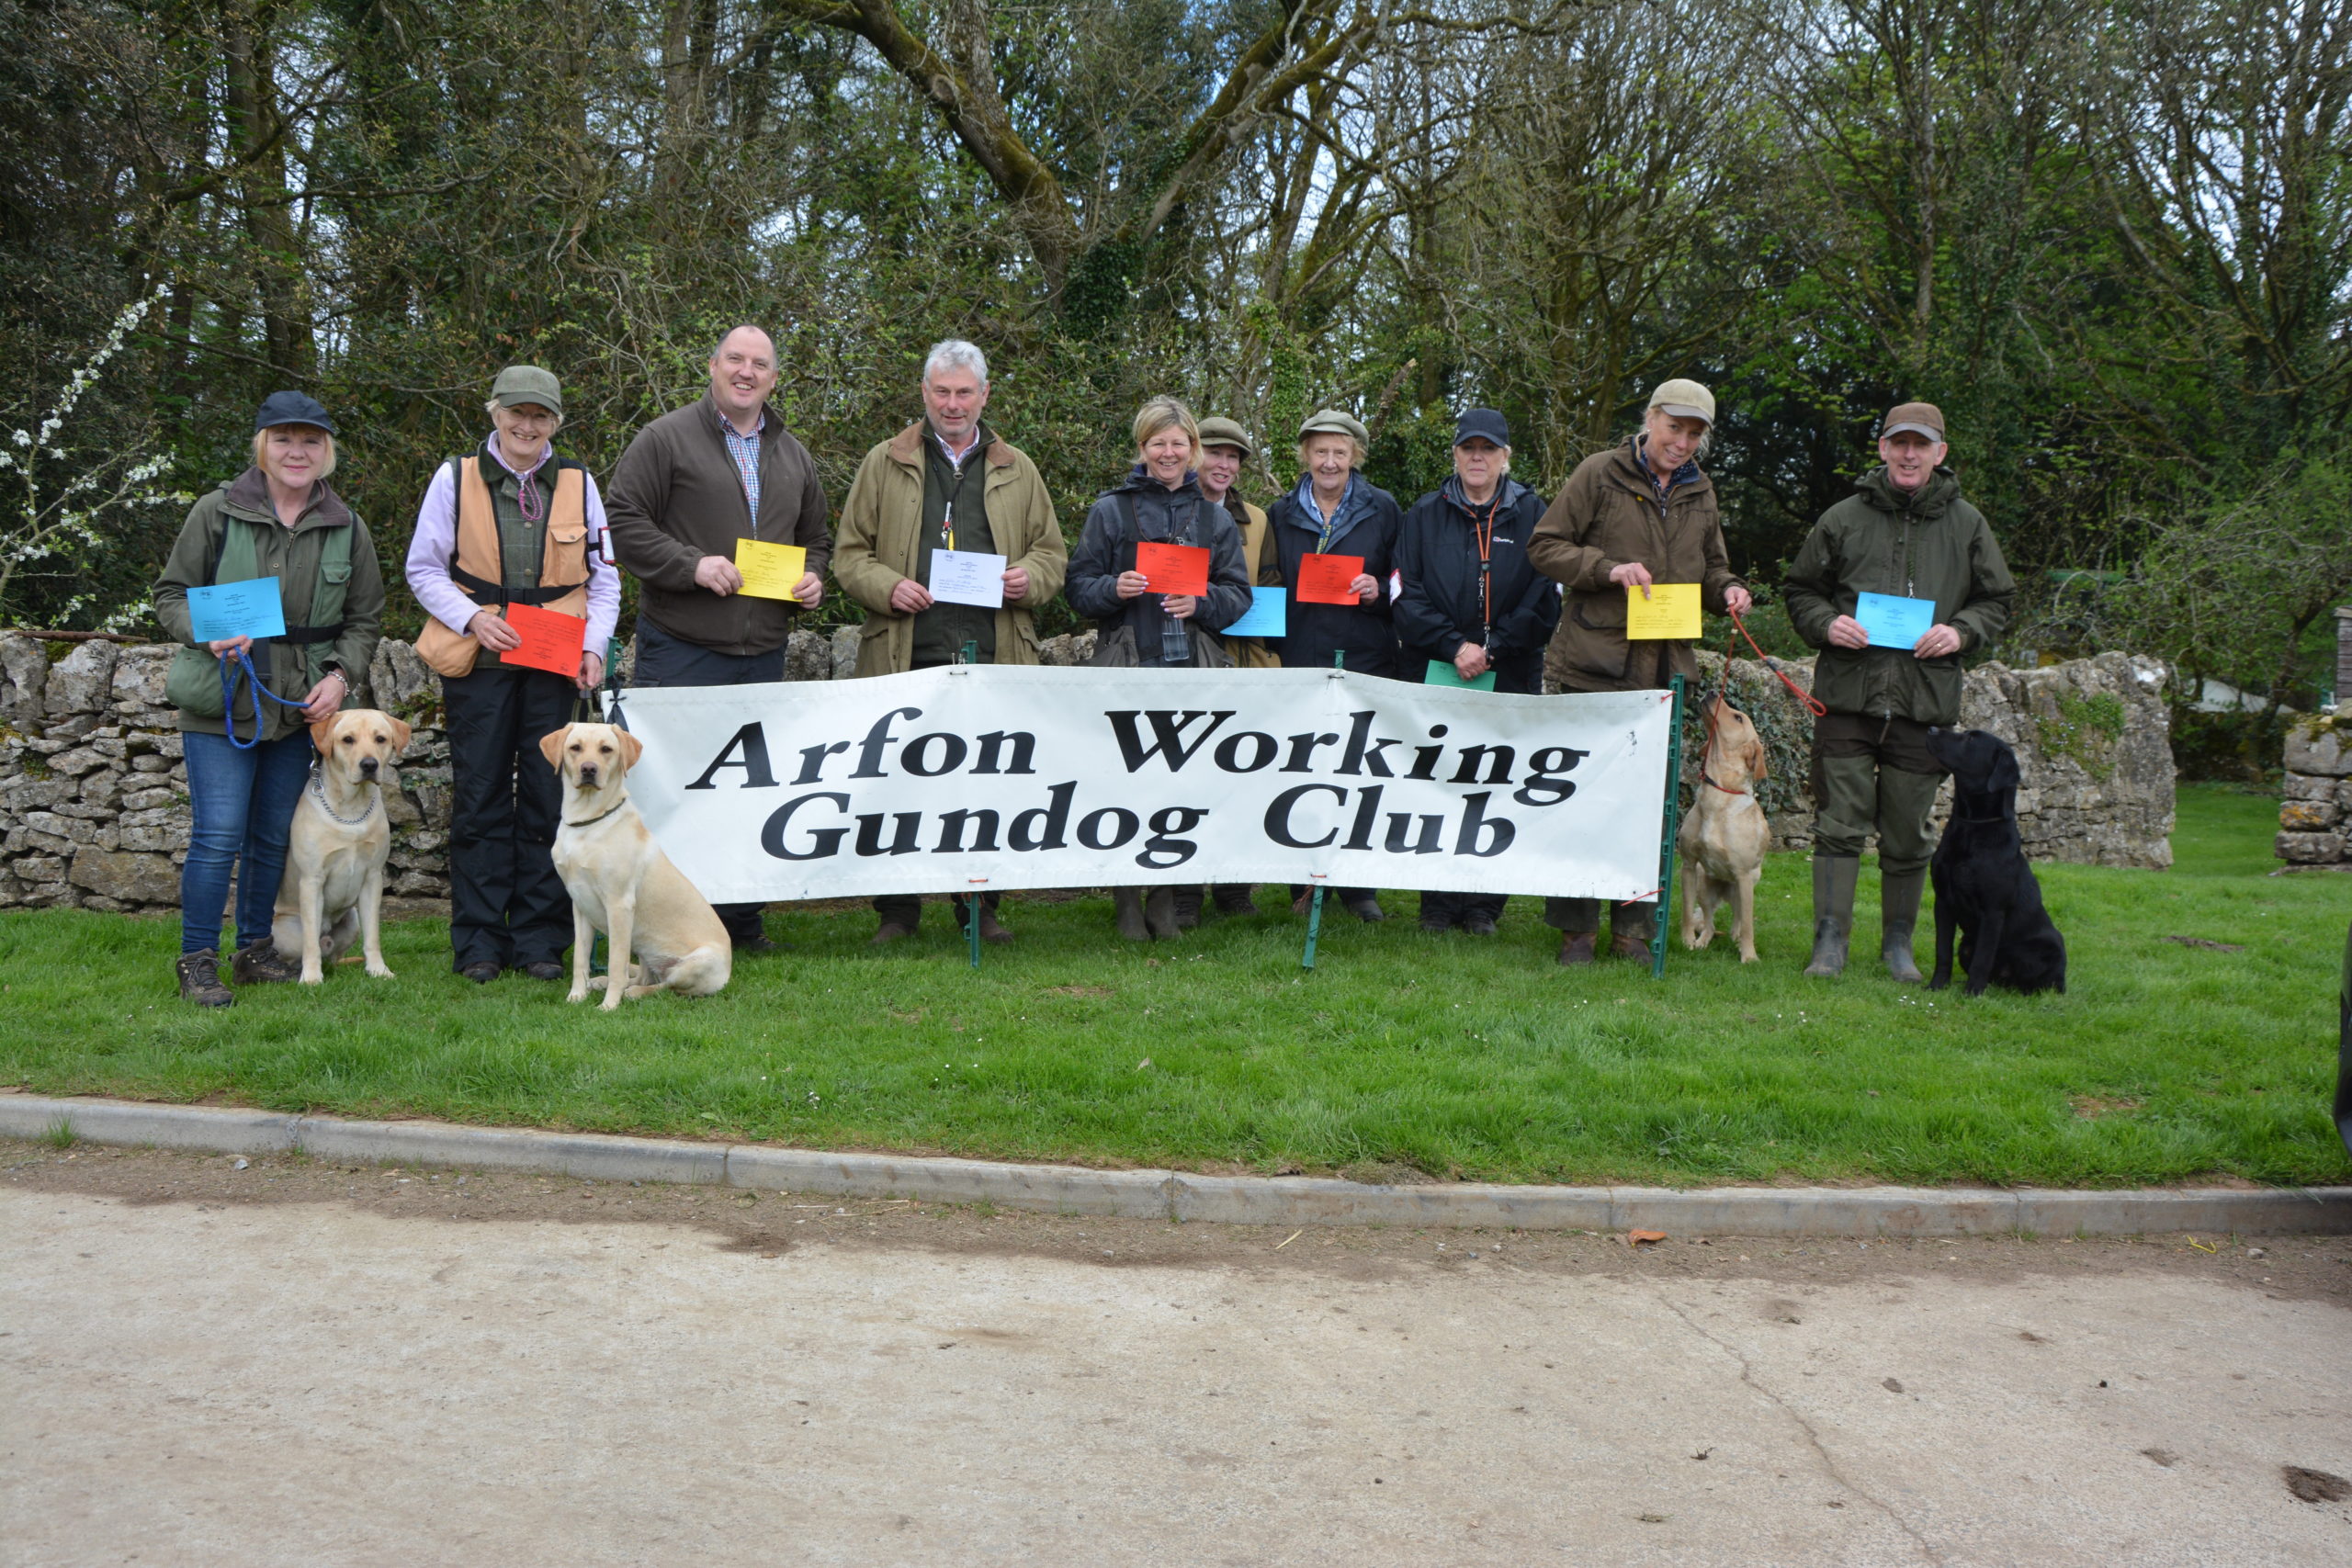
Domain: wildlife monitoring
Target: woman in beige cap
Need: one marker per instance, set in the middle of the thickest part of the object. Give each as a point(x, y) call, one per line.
point(1637, 513)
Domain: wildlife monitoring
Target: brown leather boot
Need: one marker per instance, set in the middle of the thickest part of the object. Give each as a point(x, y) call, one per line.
point(1575, 947)
point(199, 975)
point(259, 965)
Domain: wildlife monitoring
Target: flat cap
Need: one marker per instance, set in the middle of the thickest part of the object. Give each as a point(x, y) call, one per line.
point(1331, 422)
point(1920, 419)
point(293, 408)
point(1227, 432)
point(520, 384)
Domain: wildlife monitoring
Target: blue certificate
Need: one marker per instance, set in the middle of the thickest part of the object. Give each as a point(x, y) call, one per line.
point(250, 608)
point(1267, 615)
point(1894, 622)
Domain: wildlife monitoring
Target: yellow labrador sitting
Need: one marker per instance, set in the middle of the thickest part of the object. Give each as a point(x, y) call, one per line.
point(621, 882)
point(1725, 838)
point(333, 886)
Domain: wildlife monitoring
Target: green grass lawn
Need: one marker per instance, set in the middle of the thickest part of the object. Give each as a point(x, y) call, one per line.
point(1458, 1057)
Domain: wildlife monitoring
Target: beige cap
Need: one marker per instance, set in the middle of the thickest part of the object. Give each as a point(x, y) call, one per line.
point(1227, 432)
point(1920, 419)
point(1685, 400)
point(1331, 422)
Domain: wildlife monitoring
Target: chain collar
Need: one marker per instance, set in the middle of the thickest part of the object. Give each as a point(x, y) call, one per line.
point(319, 789)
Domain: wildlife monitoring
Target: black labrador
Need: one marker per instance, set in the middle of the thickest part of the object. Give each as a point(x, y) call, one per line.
point(1984, 887)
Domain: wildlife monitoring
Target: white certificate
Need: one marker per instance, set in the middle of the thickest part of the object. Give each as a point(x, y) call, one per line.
point(968, 577)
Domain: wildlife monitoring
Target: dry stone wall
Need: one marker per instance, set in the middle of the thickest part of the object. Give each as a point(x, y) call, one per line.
point(2315, 802)
point(94, 791)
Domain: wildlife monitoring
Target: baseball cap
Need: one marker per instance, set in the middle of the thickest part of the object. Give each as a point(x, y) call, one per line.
point(1920, 419)
point(1227, 432)
point(1482, 425)
point(293, 408)
point(520, 384)
point(1684, 400)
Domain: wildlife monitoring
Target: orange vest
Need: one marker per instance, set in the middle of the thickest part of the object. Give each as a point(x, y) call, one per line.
point(479, 567)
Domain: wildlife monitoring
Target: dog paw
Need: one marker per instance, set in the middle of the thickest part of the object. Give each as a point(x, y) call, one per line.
point(380, 972)
point(313, 977)
point(575, 996)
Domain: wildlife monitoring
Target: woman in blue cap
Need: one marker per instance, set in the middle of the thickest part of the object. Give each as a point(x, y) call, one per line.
point(249, 756)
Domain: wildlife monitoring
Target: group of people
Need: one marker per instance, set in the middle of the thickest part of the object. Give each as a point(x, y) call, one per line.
point(1478, 578)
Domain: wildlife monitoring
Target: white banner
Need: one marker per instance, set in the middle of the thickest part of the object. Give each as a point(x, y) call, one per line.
point(989, 776)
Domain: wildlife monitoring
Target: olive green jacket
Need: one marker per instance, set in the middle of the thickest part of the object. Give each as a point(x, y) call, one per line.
point(879, 542)
point(1607, 515)
point(291, 555)
point(1926, 544)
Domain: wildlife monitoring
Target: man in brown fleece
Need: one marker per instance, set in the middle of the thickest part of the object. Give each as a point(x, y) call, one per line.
point(691, 484)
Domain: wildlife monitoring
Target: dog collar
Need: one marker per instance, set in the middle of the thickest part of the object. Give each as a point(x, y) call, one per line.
point(319, 788)
point(601, 814)
point(1726, 789)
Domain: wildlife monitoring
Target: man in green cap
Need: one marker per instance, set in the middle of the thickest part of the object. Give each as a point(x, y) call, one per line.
point(1905, 534)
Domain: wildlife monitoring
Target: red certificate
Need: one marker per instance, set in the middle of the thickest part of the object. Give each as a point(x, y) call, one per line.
point(551, 640)
point(1324, 579)
point(1174, 569)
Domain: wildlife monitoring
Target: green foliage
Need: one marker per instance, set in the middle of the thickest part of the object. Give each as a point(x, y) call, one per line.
point(2083, 730)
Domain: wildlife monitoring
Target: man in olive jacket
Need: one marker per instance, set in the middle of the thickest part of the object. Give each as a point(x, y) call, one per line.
point(1632, 515)
point(1905, 532)
point(691, 484)
point(946, 482)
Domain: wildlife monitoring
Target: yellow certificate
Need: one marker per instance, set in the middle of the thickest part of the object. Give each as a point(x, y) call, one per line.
point(770, 571)
point(1670, 611)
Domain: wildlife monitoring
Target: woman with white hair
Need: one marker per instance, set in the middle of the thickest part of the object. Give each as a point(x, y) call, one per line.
point(509, 524)
point(1160, 501)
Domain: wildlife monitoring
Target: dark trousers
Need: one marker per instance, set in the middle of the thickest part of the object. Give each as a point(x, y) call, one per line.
point(1519, 673)
point(507, 906)
point(1573, 916)
point(1875, 773)
point(666, 661)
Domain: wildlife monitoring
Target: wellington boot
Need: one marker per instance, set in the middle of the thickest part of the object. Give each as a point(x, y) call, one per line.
point(1159, 913)
point(1188, 906)
point(1898, 916)
point(1833, 912)
point(1128, 904)
point(199, 975)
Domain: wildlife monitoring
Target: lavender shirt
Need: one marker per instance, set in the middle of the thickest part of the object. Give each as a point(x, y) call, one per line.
point(437, 541)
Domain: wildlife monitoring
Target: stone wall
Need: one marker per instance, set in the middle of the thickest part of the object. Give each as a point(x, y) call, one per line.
point(2316, 804)
point(94, 794)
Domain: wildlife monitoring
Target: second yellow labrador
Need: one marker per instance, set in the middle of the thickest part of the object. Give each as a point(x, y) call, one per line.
point(621, 882)
point(1725, 838)
point(336, 850)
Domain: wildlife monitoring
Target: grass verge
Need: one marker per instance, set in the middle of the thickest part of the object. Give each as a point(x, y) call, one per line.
point(1403, 1054)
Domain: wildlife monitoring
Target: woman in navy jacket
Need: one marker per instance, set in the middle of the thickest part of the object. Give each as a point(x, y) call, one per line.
point(1469, 598)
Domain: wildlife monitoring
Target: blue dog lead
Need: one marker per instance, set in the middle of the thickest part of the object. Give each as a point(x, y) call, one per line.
point(229, 697)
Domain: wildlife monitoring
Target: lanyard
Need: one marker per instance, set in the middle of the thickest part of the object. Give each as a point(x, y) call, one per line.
point(1483, 531)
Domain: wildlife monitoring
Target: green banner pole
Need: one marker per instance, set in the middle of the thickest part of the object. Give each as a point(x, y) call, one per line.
point(1315, 903)
point(1666, 845)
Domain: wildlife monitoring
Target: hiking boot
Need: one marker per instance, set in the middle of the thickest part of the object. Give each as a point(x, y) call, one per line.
point(199, 975)
point(1833, 912)
point(1626, 940)
point(991, 929)
point(1126, 903)
point(1188, 906)
point(1364, 906)
point(891, 932)
point(757, 942)
point(1479, 925)
point(259, 965)
point(542, 969)
point(481, 973)
point(1575, 947)
point(1233, 898)
point(1436, 925)
point(1898, 915)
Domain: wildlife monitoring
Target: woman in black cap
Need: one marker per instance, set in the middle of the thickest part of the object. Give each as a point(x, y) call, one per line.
point(247, 758)
point(1469, 601)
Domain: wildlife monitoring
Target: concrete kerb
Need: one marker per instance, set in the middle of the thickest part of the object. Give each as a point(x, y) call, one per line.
point(1867, 1211)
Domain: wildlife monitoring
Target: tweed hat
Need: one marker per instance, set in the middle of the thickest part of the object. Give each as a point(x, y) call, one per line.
point(519, 384)
point(1331, 422)
point(1227, 432)
point(1919, 419)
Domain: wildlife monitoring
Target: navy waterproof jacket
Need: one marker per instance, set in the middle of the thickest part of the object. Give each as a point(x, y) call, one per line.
point(1439, 605)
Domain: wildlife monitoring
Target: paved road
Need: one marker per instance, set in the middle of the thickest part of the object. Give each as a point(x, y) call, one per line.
point(291, 1364)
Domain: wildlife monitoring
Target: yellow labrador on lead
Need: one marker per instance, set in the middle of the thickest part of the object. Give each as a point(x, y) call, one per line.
point(621, 882)
point(1725, 838)
point(333, 886)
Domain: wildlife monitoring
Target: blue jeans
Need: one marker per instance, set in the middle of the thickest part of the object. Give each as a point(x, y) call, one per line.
point(243, 805)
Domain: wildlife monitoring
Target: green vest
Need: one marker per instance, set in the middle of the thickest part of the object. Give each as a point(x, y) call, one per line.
point(289, 665)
